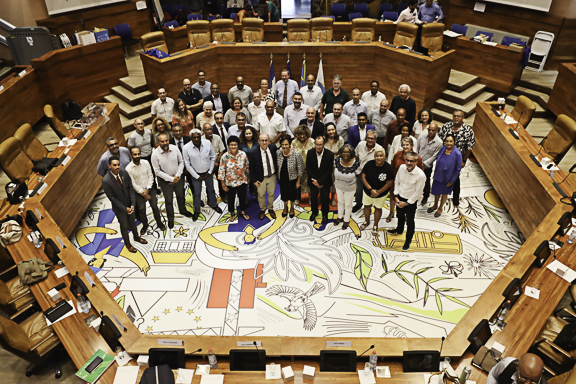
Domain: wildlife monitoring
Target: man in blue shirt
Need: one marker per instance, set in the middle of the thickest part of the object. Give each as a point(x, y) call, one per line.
point(430, 12)
point(113, 150)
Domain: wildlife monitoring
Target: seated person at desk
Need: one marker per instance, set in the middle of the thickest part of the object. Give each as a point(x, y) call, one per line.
point(528, 369)
point(430, 12)
point(117, 186)
point(410, 14)
point(113, 150)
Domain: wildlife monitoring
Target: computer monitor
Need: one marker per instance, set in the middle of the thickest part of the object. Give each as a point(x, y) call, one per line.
point(77, 286)
point(247, 360)
point(421, 361)
point(565, 223)
point(174, 357)
point(479, 336)
point(513, 291)
point(109, 332)
point(337, 361)
point(31, 220)
point(542, 254)
point(51, 250)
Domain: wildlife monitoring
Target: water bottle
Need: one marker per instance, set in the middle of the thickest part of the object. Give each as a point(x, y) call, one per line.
point(465, 375)
point(40, 177)
point(83, 305)
point(36, 238)
point(373, 360)
point(571, 235)
point(212, 359)
point(503, 312)
point(382, 18)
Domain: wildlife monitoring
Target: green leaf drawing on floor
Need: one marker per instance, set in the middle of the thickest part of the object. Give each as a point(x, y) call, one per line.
point(363, 265)
point(439, 293)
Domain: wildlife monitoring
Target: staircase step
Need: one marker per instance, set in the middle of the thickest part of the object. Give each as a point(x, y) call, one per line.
point(130, 111)
point(540, 111)
point(537, 87)
point(130, 97)
point(465, 96)
point(536, 96)
point(441, 116)
point(460, 81)
point(128, 124)
point(134, 85)
point(468, 108)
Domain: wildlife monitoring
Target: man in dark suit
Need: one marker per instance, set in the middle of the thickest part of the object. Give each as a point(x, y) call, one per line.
point(262, 160)
point(117, 185)
point(219, 100)
point(319, 164)
point(314, 125)
point(357, 133)
point(221, 128)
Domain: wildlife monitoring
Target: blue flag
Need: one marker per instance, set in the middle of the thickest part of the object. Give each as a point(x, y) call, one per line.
point(303, 74)
point(272, 84)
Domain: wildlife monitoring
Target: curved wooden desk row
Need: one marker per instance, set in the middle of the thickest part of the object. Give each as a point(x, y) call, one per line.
point(358, 64)
point(563, 95)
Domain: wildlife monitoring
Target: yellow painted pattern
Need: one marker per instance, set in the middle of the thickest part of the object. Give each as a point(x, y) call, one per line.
point(426, 242)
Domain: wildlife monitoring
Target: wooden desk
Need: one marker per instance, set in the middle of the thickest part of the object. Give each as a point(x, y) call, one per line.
point(497, 66)
point(563, 96)
point(386, 30)
point(253, 62)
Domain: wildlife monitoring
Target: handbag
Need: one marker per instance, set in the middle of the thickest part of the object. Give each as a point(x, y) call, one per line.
point(485, 359)
point(44, 166)
point(16, 192)
point(10, 232)
point(34, 270)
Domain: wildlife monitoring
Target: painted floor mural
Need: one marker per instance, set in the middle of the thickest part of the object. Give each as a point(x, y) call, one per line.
point(292, 277)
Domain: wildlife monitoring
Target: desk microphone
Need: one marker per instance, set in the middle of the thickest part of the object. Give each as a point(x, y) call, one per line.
point(513, 131)
point(256, 345)
point(372, 346)
point(557, 185)
point(442, 345)
point(534, 157)
point(198, 350)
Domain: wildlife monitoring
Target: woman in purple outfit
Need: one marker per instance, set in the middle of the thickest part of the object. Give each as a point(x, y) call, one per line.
point(448, 166)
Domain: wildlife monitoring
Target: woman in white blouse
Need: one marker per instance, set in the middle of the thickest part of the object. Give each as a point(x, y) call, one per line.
point(396, 146)
point(423, 120)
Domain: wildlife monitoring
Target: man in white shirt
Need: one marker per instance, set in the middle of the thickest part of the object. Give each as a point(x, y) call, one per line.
point(262, 162)
point(365, 152)
point(408, 188)
point(311, 93)
point(341, 121)
point(373, 98)
point(428, 148)
point(219, 150)
point(271, 123)
point(236, 130)
point(294, 113)
point(354, 107)
point(142, 180)
point(202, 85)
point(285, 89)
point(163, 106)
point(410, 14)
point(381, 119)
point(241, 91)
point(256, 107)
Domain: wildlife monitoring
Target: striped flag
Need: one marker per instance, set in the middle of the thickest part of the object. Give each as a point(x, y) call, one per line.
point(288, 67)
point(272, 84)
point(320, 77)
point(303, 74)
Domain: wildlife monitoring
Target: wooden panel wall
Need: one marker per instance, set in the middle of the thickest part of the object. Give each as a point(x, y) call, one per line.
point(21, 102)
point(565, 48)
point(103, 17)
point(563, 95)
point(82, 73)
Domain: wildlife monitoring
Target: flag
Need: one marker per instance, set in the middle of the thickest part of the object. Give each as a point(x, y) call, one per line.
point(320, 77)
point(288, 68)
point(303, 74)
point(272, 84)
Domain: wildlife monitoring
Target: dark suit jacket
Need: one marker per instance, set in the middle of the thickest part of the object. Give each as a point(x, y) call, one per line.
point(121, 197)
point(354, 134)
point(186, 140)
point(225, 102)
point(215, 131)
point(317, 129)
point(323, 174)
point(256, 165)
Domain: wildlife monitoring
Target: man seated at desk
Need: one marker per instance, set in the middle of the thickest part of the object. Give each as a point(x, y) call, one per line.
point(528, 369)
point(113, 150)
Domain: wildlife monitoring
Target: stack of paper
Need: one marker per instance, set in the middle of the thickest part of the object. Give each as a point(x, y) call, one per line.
point(212, 379)
point(126, 375)
point(451, 34)
point(185, 376)
point(366, 379)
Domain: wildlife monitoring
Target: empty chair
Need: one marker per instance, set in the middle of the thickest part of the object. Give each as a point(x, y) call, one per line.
point(362, 8)
point(198, 32)
point(524, 107)
point(223, 30)
point(30, 144)
point(490, 35)
point(402, 6)
point(57, 126)
point(154, 40)
point(384, 7)
point(461, 29)
point(14, 161)
point(433, 37)
point(363, 29)
point(14, 296)
point(539, 50)
point(405, 34)
point(214, 17)
point(507, 40)
point(353, 16)
point(233, 15)
point(557, 356)
point(560, 138)
point(252, 29)
point(339, 11)
point(173, 24)
point(321, 29)
point(392, 16)
point(125, 33)
point(298, 30)
point(194, 16)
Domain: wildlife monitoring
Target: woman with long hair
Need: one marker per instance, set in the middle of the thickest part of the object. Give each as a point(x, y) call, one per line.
point(183, 117)
point(160, 125)
point(333, 142)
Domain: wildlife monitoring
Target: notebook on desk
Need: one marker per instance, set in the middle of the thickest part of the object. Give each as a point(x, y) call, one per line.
point(56, 312)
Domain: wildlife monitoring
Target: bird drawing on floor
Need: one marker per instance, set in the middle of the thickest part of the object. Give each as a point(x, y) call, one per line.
point(299, 301)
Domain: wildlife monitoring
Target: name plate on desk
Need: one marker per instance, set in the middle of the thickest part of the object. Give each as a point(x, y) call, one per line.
point(228, 42)
point(295, 42)
point(203, 46)
point(248, 343)
point(332, 42)
point(21, 74)
point(170, 342)
point(338, 343)
point(259, 42)
point(362, 42)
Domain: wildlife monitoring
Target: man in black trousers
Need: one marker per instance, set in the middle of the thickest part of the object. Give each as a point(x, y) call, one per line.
point(117, 185)
point(319, 164)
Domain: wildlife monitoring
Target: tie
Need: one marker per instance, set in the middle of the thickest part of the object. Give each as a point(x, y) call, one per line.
point(118, 180)
point(180, 146)
point(268, 164)
point(223, 137)
point(285, 98)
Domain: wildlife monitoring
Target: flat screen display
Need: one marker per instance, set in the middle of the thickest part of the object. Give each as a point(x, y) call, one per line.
point(174, 357)
point(247, 360)
point(421, 361)
point(296, 9)
point(537, 5)
point(338, 361)
point(60, 6)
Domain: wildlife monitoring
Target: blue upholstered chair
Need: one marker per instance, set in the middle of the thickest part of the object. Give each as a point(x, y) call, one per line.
point(390, 16)
point(490, 35)
point(362, 8)
point(401, 7)
point(461, 29)
point(384, 7)
point(355, 15)
point(173, 24)
point(195, 16)
point(507, 40)
point(125, 33)
point(339, 11)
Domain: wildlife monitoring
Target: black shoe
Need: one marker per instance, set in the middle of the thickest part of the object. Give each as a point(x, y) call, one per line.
point(424, 201)
point(225, 200)
point(158, 191)
point(406, 247)
point(187, 214)
point(217, 209)
point(143, 230)
point(195, 216)
point(202, 203)
point(170, 224)
point(324, 219)
point(161, 227)
point(392, 232)
point(313, 216)
point(356, 208)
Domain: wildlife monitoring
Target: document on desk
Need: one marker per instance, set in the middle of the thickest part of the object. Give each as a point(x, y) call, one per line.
point(70, 143)
point(212, 379)
point(510, 120)
point(61, 272)
point(185, 376)
point(366, 379)
point(562, 270)
point(490, 43)
point(68, 314)
point(451, 33)
point(126, 375)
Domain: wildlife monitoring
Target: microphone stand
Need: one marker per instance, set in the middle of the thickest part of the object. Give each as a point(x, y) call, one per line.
point(557, 185)
point(372, 346)
point(535, 158)
point(513, 131)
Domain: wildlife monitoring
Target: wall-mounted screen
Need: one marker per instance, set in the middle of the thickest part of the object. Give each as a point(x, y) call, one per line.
point(537, 5)
point(61, 6)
